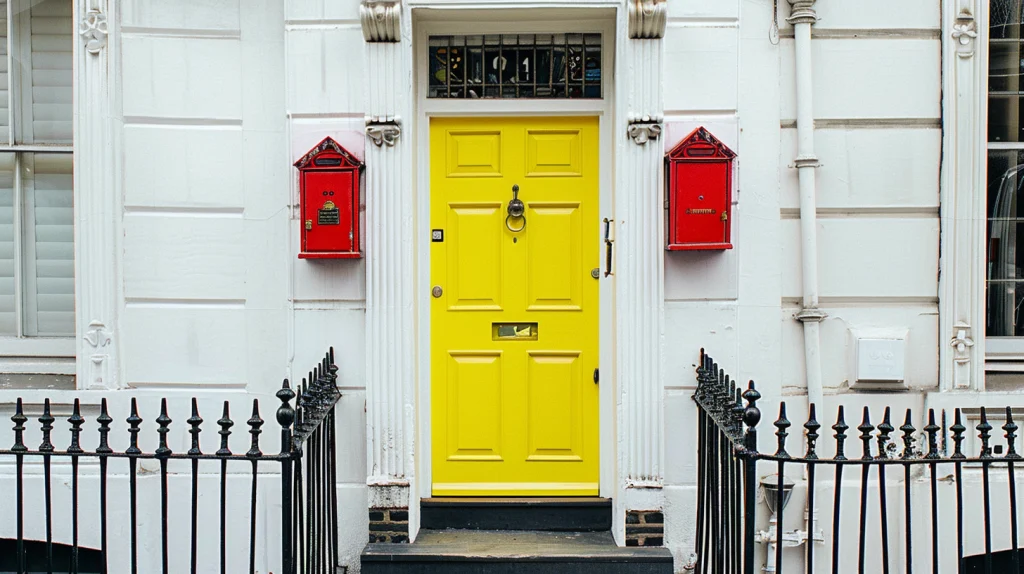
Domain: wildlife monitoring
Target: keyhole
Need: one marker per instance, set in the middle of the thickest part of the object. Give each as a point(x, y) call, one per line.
point(515, 240)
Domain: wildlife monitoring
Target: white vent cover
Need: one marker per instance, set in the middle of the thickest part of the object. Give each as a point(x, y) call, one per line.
point(880, 360)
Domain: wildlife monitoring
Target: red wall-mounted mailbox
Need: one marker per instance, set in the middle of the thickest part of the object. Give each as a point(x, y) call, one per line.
point(698, 180)
point(329, 202)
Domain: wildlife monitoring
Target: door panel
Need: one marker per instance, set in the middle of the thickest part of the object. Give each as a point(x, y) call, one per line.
point(514, 338)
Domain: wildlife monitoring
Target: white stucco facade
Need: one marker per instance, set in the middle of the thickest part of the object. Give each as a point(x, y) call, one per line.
point(191, 113)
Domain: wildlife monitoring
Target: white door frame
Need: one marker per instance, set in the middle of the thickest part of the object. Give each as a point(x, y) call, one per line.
point(507, 22)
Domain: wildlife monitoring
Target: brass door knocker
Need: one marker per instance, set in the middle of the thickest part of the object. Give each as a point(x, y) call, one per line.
point(516, 210)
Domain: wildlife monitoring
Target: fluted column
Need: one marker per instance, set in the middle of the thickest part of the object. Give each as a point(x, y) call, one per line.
point(963, 201)
point(390, 317)
point(96, 195)
point(639, 255)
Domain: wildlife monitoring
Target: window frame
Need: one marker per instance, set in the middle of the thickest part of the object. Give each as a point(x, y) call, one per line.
point(23, 352)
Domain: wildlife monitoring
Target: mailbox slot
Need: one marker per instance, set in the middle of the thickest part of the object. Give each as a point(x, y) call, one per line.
point(698, 192)
point(329, 202)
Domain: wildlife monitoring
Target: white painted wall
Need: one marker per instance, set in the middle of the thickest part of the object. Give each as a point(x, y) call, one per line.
point(219, 97)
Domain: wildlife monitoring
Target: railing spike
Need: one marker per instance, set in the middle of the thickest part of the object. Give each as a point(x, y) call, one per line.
point(812, 425)
point(255, 422)
point(751, 416)
point(19, 419)
point(984, 432)
point(865, 429)
point(958, 430)
point(194, 422)
point(104, 420)
point(908, 437)
point(933, 430)
point(225, 423)
point(884, 429)
point(47, 425)
point(840, 427)
point(782, 424)
point(1011, 435)
point(76, 421)
point(164, 422)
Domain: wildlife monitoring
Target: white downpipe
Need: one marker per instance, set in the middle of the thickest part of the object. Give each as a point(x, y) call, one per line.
point(802, 18)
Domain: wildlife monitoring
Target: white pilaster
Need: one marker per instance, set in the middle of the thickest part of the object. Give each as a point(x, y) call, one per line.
point(963, 198)
point(390, 316)
point(639, 256)
point(97, 194)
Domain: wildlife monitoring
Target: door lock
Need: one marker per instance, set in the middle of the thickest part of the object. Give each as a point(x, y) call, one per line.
point(436, 291)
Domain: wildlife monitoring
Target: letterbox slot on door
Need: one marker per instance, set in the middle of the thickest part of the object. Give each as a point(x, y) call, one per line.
point(329, 202)
point(698, 191)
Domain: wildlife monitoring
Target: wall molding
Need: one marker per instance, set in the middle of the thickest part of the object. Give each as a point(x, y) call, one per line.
point(97, 196)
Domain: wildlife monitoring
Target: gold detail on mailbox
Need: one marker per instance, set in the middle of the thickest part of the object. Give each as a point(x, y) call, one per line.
point(725, 216)
point(702, 211)
point(328, 214)
point(309, 224)
point(514, 331)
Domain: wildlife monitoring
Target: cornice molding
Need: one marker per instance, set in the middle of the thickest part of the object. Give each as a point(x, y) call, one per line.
point(647, 18)
point(381, 20)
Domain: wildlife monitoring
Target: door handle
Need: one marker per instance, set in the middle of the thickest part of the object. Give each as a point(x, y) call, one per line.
point(608, 246)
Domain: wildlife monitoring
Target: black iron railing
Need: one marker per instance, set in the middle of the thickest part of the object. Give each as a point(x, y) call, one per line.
point(308, 521)
point(728, 483)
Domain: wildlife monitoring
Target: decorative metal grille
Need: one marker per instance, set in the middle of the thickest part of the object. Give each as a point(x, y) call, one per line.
point(515, 66)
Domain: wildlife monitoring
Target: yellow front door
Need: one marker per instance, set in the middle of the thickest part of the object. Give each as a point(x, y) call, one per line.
point(514, 315)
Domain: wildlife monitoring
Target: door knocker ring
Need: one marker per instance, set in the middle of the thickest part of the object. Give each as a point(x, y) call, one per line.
point(516, 209)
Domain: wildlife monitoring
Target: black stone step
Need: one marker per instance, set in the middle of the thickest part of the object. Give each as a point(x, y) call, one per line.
point(551, 514)
point(513, 552)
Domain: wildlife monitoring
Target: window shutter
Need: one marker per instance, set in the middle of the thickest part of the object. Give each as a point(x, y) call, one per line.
point(51, 42)
point(8, 260)
point(50, 251)
point(5, 92)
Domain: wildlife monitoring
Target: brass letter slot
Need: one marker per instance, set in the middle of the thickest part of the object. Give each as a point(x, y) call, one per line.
point(514, 331)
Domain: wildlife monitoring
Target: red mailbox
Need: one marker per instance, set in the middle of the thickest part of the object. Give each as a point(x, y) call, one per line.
point(698, 179)
point(329, 201)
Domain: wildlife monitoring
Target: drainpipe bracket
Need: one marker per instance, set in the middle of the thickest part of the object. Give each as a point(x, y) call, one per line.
point(803, 12)
point(811, 314)
point(805, 161)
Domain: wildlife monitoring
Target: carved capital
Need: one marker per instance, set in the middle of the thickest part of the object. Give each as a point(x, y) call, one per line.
point(965, 33)
point(961, 343)
point(383, 131)
point(93, 29)
point(381, 20)
point(97, 336)
point(647, 18)
point(642, 129)
point(802, 12)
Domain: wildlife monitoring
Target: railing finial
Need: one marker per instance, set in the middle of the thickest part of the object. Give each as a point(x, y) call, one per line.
point(908, 437)
point(1011, 435)
point(76, 421)
point(47, 422)
point(984, 433)
point(782, 424)
point(812, 425)
point(104, 420)
point(958, 430)
point(884, 429)
point(194, 422)
point(164, 426)
point(840, 427)
point(751, 416)
point(933, 430)
point(225, 423)
point(255, 422)
point(19, 419)
point(865, 429)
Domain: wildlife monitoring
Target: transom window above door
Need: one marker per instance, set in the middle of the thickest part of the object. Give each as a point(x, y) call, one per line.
point(509, 66)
